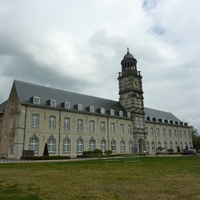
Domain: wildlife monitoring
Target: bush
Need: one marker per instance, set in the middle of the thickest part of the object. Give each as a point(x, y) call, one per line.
point(170, 151)
point(90, 154)
point(108, 152)
point(46, 158)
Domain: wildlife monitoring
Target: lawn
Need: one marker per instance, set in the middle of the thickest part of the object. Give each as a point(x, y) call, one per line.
point(155, 178)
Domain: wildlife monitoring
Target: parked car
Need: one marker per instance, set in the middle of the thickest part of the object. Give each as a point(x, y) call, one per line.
point(189, 152)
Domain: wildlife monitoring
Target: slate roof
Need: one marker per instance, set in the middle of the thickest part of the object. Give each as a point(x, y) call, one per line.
point(27, 90)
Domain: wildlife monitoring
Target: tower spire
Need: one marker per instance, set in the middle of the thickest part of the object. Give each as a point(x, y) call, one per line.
point(127, 49)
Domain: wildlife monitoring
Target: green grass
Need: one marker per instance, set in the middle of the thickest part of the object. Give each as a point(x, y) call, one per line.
point(155, 178)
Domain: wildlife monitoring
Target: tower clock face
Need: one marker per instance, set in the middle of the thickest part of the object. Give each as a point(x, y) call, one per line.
point(136, 83)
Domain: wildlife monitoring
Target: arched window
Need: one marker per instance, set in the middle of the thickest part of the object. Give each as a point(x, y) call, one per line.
point(66, 145)
point(171, 145)
point(103, 145)
point(147, 146)
point(92, 145)
point(153, 146)
point(51, 145)
point(122, 146)
point(131, 146)
point(34, 144)
point(113, 146)
point(79, 145)
point(165, 146)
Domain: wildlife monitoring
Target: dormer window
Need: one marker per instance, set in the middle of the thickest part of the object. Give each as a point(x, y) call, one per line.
point(36, 100)
point(52, 102)
point(91, 109)
point(66, 105)
point(128, 114)
point(79, 106)
point(121, 113)
point(112, 112)
point(102, 110)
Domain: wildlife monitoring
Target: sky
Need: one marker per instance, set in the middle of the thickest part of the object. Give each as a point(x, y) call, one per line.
point(78, 46)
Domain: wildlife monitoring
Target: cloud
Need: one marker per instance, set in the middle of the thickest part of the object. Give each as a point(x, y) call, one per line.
point(79, 46)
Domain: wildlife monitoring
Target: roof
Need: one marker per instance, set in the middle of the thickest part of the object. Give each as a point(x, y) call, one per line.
point(27, 90)
point(160, 114)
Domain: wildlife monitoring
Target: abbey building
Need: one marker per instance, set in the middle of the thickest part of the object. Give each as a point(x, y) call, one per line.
point(71, 123)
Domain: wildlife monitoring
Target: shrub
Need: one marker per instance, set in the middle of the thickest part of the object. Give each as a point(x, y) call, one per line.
point(170, 151)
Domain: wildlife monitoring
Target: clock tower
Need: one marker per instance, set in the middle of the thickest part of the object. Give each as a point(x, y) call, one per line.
point(131, 98)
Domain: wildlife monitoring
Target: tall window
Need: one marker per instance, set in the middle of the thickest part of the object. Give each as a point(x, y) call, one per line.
point(103, 127)
point(175, 134)
point(79, 145)
point(67, 124)
point(35, 120)
point(158, 132)
point(159, 144)
point(33, 144)
point(171, 145)
point(92, 145)
point(176, 146)
point(112, 128)
point(152, 132)
point(11, 122)
point(113, 146)
point(184, 134)
point(52, 122)
point(92, 129)
point(165, 146)
point(121, 128)
point(147, 146)
point(164, 132)
point(170, 133)
point(122, 146)
point(103, 145)
point(180, 134)
point(129, 129)
point(80, 125)
point(66, 145)
point(51, 145)
point(153, 146)
point(130, 146)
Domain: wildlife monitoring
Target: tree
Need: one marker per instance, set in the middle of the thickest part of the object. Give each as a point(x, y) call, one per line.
point(195, 138)
point(46, 152)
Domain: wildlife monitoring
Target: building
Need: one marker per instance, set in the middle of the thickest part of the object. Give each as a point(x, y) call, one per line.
point(71, 123)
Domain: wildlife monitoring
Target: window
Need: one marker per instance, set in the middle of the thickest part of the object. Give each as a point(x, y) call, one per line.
point(129, 129)
point(170, 133)
point(176, 146)
point(153, 146)
point(103, 127)
point(147, 146)
point(164, 133)
point(52, 122)
point(159, 144)
point(180, 134)
point(130, 146)
point(35, 121)
point(175, 134)
point(158, 132)
point(67, 124)
point(33, 144)
point(92, 127)
point(80, 125)
point(36, 100)
point(184, 134)
point(51, 145)
point(79, 145)
point(152, 133)
point(103, 145)
point(146, 130)
point(92, 145)
point(113, 146)
point(112, 128)
point(122, 146)
point(165, 146)
point(11, 122)
point(66, 145)
point(52, 102)
point(181, 146)
point(121, 128)
point(171, 145)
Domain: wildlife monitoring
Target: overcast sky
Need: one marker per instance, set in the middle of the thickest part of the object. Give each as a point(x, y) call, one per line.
point(78, 46)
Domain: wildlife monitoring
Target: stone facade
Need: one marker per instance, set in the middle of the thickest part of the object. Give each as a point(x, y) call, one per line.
point(72, 123)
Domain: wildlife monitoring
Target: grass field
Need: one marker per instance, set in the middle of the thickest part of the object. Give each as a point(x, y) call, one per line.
point(155, 178)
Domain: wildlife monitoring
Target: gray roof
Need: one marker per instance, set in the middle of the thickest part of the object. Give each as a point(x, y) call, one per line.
point(160, 114)
point(27, 90)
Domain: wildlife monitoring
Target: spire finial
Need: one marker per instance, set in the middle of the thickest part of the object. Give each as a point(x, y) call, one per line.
point(127, 49)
